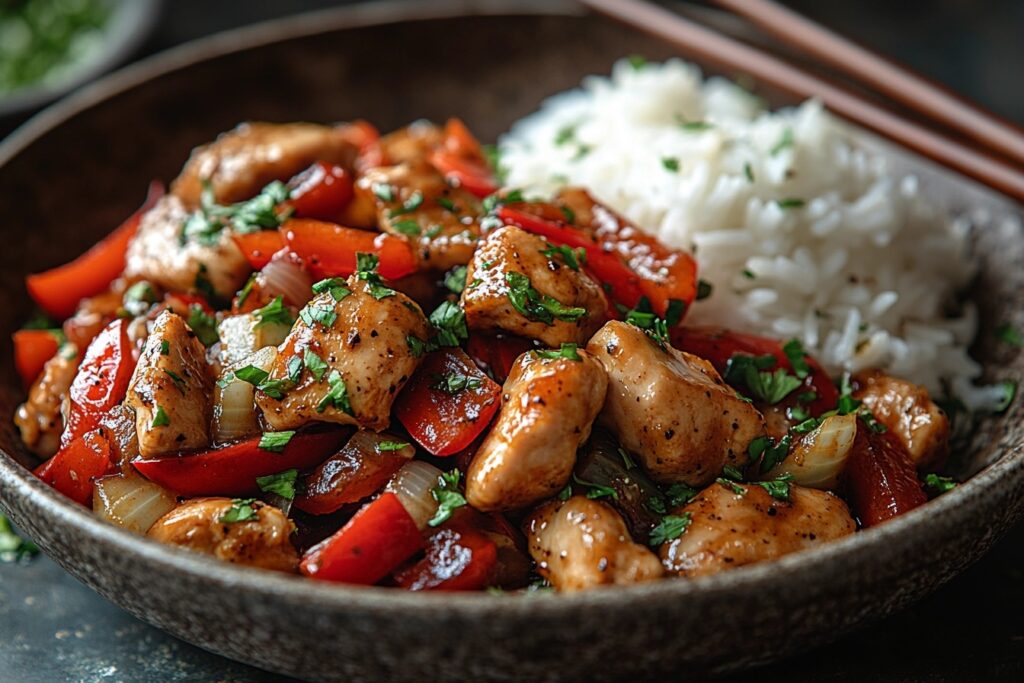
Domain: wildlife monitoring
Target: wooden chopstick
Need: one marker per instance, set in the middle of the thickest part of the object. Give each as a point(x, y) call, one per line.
point(895, 81)
point(703, 43)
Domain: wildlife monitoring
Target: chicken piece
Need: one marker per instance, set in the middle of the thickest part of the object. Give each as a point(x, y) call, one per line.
point(240, 162)
point(157, 254)
point(119, 422)
point(582, 543)
point(363, 342)
point(93, 314)
point(260, 538)
point(513, 287)
point(729, 529)
point(39, 419)
point(909, 412)
point(548, 408)
point(415, 203)
point(171, 392)
point(671, 408)
point(411, 144)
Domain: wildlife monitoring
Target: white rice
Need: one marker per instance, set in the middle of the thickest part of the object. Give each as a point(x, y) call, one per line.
point(863, 273)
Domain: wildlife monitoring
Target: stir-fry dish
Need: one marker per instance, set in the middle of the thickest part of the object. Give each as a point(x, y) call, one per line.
point(360, 359)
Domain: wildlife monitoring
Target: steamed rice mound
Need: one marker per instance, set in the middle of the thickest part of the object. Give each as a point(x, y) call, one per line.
point(800, 233)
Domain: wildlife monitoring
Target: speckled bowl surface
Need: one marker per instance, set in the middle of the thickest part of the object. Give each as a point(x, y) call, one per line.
point(77, 169)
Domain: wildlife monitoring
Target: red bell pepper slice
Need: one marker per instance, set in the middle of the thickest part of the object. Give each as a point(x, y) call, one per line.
point(718, 345)
point(102, 380)
point(457, 559)
point(377, 539)
point(76, 465)
point(367, 138)
point(881, 480)
point(440, 421)
point(321, 191)
point(32, 348)
point(355, 472)
point(232, 470)
point(329, 250)
point(497, 352)
point(626, 287)
point(59, 290)
point(460, 160)
point(259, 247)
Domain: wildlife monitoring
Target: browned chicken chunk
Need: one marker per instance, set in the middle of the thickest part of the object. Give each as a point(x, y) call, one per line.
point(909, 412)
point(583, 543)
point(171, 390)
point(671, 408)
point(513, 286)
point(548, 407)
point(242, 161)
point(729, 529)
point(411, 144)
point(157, 253)
point(414, 202)
point(345, 361)
point(39, 418)
point(243, 532)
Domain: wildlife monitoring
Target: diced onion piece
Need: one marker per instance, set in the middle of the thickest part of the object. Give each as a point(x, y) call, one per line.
point(234, 407)
point(283, 276)
point(240, 337)
point(413, 484)
point(131, 501)
point(818, 459)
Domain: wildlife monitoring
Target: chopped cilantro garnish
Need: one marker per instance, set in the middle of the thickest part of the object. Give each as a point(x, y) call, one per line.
point(455, 279)
point(670, 164)
point(160, 418)
point(408, 206)
point(178, 381)
point(595, 491)
point(453, 383)
point(637, 62)
point(141, 292)
point(770, 452)
point(568, 351)
point(777, 488)
point(704, 289)
point(935, 484)
point(203, 324)
point(275, 441)
point(241, 510)
point(281, 484)
point(565, 493)
point(318, 312)
point(680, 494)
point(447, 204)
point(366, 269)
point(416, 346)
point(408, 227)
point(245, 291)
point(794, 351)
point(692, 126)
point(251, 374)
point(570, 215)
point(535, 306)
point(731, 485)
point(670, 528)
point(387, 446)
point(337, 396)
point(572, 257)
point(785, 141)
point(450, 322)
point(294, 368)
point(314, 363)
point(748, 171)
point(1009, 388)
point(274, 313)
point(1009, 334)
point(383, 192)
point(769, 387)
point(448, 497)
point(334, 285)
point(165, 347)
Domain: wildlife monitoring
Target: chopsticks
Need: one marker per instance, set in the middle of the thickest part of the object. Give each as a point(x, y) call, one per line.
point(710, 46)
point(896, 82)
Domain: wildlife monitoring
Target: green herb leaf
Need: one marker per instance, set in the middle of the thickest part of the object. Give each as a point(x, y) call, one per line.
point(387, 446)
point(692, 126)
point(455, 279)
point(414, 202)
point(141, 292)
point(274, 313)
point(777, 488)
point(637, 62)
point(570, 215)
point(408, 227)
point(731, 485)
point(337, 396)
point(314, 363)
point(572, 257)
point(748, 171)
point(251, 374)
point(568, 351)
point(670, 164)
point(294, 368)
point(1009, 388)
point(260, 212)
point(785, 142)
point(417, 347)
point(281, 484)
point(245, 291)
point(450, 322)
point(670, 528)
point(936, 485)
point(447, 204)
point(334, 285)
point(1009, 334)
point(160, 418)
point(790, 203)
point(275, 441)
point(565, 493)
point(178, 381)
point(383, 192)
point(595, 491)
point(318, 312)
point(680, 494)
point(704, 289)
point(203, 324)
point(448, 497)
point(794, 351)
point(534, 306)
point(241, 510)
point(165, 347)
point(453, 383)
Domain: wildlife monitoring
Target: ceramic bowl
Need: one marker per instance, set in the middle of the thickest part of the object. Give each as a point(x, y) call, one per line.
point(77, 169)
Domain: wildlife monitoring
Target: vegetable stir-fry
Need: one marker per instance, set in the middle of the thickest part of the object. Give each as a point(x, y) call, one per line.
point(358, 358)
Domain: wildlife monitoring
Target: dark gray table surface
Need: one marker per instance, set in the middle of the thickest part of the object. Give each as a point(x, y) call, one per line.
point(54, 629)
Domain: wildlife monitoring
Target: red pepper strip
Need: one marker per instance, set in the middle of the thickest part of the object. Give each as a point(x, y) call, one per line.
point(881, 479)
point(443, 422)
point(321, 191)
point(377, 539)
point(232, 470)
point(258, 247)
point(367, 138)
point(497, 352)
point(59, 290)
point(76, 465)
point(102, 380)
point(32, 348)
point(461, 161)
point(607, 268)
point(329, 250)
point(718, 345)
point(182, 303)
point(457, 559)
point(348, 476)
